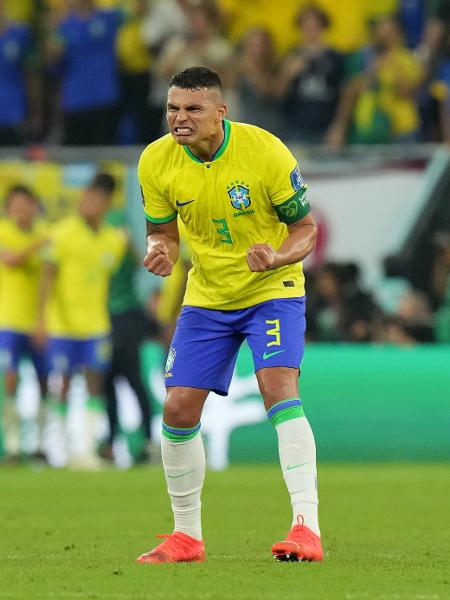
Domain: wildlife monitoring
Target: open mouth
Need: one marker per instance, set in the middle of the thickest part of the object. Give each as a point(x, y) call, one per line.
point(182, 130)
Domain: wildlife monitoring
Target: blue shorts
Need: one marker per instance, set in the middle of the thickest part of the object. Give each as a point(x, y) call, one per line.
point(66, 355)
point(14, 347)
point(206, 342)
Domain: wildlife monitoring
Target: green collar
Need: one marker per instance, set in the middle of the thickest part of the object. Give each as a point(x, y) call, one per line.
point(220, 150)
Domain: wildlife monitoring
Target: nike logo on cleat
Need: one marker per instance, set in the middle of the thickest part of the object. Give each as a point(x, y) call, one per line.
point(267, 355)
point(178, 203)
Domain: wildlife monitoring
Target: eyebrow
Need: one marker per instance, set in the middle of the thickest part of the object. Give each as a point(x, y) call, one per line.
point(188, 107)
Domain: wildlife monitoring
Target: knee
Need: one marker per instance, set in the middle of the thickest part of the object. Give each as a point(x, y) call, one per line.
point(178, 410)
point(278, 386)
point(272, 395)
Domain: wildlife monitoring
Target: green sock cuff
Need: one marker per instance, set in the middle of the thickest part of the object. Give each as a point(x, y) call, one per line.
point(95, 404)
point(285, 410)
point(179, 434)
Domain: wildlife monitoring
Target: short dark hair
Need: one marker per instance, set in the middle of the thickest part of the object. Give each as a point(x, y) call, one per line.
point(24, 190)
point(194, 78)
point(103, 182)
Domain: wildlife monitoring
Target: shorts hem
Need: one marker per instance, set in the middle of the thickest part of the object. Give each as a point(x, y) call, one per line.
point(278, 365)
point(217, 391)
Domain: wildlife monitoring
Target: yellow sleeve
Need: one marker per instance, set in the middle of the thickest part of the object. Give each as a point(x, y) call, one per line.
point(283, 174)
point(157, 207)
point(286, 188)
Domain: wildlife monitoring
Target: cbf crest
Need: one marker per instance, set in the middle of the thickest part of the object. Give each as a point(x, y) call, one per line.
point(239, 194)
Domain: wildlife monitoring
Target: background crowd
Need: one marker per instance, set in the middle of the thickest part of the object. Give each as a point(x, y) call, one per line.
point(82, 72)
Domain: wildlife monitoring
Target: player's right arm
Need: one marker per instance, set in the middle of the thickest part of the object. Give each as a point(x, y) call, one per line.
point(19, 258)
point(163, 247)
point(52, 257)
point(163, 240)
point(46, 284)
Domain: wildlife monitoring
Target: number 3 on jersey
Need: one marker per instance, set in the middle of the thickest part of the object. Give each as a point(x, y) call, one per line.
point(223, 231)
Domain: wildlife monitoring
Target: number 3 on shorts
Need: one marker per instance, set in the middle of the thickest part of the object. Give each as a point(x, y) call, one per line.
point(222, 229)
point(275, 331)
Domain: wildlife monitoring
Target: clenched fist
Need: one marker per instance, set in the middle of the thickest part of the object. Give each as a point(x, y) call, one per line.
point(157, 259)
point(261, 257)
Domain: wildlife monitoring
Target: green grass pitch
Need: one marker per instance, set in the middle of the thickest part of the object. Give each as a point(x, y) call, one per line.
point(69, 536)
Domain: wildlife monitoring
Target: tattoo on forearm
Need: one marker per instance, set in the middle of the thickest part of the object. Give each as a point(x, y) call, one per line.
point(153, 228)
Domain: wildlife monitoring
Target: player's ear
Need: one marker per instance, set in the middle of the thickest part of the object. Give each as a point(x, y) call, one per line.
point(222, 110)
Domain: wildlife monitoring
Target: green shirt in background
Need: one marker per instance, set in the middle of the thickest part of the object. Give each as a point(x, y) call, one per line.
point(122, 292)
point(123, 295)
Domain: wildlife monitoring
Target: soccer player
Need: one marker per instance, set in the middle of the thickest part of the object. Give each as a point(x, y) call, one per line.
point(239, 192)
point(129, 327)
point(73, 306)
point(22, 235)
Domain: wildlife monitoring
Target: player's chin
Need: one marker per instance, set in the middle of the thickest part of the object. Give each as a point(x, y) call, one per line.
point(183, 139)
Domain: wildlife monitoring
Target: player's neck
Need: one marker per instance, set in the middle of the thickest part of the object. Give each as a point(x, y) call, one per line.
point(207, 148)
point(24, 225)
point(93, 224)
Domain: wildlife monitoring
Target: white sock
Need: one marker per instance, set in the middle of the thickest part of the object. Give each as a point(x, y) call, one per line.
point(11, 427)
point(41, 422)
point(297, 451)
point(184, 468)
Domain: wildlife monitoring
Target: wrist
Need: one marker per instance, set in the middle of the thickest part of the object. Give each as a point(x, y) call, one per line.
point(279, 260)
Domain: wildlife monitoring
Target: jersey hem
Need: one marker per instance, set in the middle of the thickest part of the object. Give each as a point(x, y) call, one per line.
point(249, 304)
point(19, 329)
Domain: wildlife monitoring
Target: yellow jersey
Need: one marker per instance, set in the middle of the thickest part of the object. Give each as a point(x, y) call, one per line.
point(401, 65)
point(85, 261)
point(350, 21)
point(19, 285)
point(238, 199)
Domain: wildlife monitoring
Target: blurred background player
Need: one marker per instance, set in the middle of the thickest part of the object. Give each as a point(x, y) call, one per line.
point(131, 325)
point(22, 236)
point(73, 304)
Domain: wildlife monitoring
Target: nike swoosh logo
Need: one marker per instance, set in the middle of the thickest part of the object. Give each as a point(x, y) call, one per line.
point(181, 474)
point(270, 354)
point(178, 203)
point(290, 467)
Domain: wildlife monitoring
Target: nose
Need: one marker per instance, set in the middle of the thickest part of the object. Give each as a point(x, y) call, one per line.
point(181, 115)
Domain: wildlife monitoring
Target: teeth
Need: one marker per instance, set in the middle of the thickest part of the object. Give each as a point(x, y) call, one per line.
point(183, 130)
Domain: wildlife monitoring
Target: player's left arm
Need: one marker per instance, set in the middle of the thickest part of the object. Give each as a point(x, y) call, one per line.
point(287, 192)
point(300, 241)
